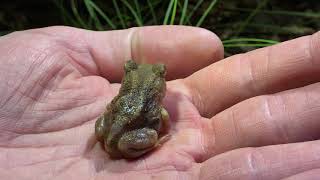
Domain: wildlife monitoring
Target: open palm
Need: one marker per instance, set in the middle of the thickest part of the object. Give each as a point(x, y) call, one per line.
point(55, 82)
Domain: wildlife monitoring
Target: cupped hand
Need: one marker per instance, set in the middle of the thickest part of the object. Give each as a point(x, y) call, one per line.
point(250, 116)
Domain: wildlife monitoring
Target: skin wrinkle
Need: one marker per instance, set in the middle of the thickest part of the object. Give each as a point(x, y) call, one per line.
point(42, 87)
point(56, 90)
point(11, 166)
point(254, 74)
point(81, 47)
point(40, 146)
point(11, 136)
point(268, 71)
point(81, 68)
point(135, 47)
point(284, 133)
point(74, 125)
point(145, 165)
point(25, 77)
point(156, 170)
point(162, 169)
point(61, 114)
point(96, 57)
point(306, 175)
point(53, 156)
point(211, 138)
point(284, 138)
point(25, 94)
point(308, 107)
point(252, 86)
point(48, 161)
point(165, 166)
point(307, 98)
point(185, 90)
point(54, 130)
point(19, 116)
point(90, 53)
point(90, 119)
point(236, 128)
point(62, 90)
point(188, 158)
point(46, 92)
point(192, 94)
point(90, 50)
point(311, 44)
point(267, 110)
point(283, 130)
point(266, 101)
point(207, 111)
point(252, 159)
point(19, 145)
point(203, 141)
point(68, 99)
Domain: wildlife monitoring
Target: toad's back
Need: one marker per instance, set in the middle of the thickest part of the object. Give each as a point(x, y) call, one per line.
point(137, 106)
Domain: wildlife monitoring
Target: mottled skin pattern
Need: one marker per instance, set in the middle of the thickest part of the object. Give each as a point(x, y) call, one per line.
point(135, 121)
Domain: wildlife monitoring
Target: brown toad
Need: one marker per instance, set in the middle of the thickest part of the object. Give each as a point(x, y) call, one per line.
point(135, 121)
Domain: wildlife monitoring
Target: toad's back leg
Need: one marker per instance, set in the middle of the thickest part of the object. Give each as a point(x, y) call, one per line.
point(100, 128)
point(165, 121)
point(138, 142)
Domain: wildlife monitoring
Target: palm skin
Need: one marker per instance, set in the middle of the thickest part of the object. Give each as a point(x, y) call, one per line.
point(56, 81)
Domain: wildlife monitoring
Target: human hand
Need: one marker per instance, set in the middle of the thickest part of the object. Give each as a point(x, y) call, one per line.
point(56, 81)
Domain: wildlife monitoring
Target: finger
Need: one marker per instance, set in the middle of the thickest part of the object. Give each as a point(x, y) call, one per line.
point(270, 162)
point(286, 117)
point(307, 175)
point(183, 49)
point(287, 65)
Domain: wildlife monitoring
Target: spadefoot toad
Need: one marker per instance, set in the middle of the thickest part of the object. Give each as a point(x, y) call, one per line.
point(135, 121)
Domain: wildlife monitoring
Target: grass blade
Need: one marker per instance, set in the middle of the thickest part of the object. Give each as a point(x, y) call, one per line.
point(2, 33)
point(138, 20)
point(136, 3)
point(184, 11)
point(247, 45)
point(66, 17)
point(249, 18)
point(278, 12)
point(206, 12)
point(249, 40)
point(115, 4)
point(76, 14)
point(93, 14)
point(194, 9)
point(154, 17)
point(166, 18)
point(173, 15)
point(102, 14)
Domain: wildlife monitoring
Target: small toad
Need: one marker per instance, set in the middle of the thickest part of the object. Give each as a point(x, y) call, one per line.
point(135, 121)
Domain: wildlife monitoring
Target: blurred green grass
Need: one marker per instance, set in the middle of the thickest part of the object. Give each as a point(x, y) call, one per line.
point(243, 25)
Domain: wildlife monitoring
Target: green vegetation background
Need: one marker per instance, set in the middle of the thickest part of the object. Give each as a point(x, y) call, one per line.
point(242, 24)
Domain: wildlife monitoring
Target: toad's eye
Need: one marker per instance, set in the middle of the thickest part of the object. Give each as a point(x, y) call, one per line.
point(159, 69)
point(130, 65)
